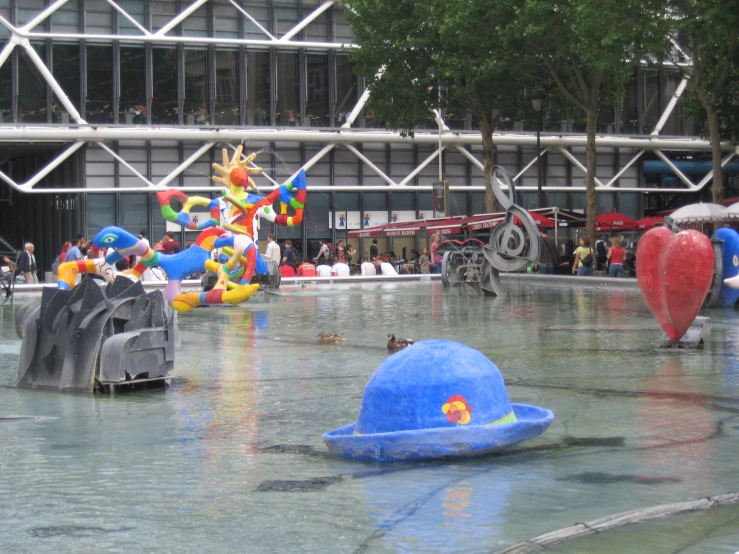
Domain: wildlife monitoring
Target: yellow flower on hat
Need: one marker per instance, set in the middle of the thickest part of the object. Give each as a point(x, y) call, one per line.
point(457, 410)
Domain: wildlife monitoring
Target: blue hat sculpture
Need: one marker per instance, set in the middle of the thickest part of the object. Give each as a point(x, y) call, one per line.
point(435, 399)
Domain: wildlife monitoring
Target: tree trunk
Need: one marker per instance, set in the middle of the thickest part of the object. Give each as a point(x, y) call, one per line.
point(591, 206)
point(486, 123)
point(714, 134)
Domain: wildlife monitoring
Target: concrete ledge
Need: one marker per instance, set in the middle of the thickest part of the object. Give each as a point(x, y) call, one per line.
point(570, 280)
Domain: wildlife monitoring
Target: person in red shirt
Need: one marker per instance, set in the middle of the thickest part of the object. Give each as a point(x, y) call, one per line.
point(287, 271)
point(616, 256)
point(307, 269)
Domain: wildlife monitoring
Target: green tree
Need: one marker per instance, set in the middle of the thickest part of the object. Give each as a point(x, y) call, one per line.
point(590, 48)
point(418, 55)
point(708, 30)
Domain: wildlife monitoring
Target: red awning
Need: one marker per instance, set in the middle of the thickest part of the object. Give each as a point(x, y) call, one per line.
point(613, 221)
point(451, 226)
point(649, 222)
point(540, 220)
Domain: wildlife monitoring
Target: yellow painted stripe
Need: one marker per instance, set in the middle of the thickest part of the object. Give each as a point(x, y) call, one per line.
point(510, 417)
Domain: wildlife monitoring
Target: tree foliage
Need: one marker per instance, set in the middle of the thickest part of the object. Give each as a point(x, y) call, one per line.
point(708, 30)
point(440, 53)
point(590, 49)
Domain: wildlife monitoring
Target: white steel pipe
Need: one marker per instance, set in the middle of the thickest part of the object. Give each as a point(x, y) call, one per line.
point(96, 133)
point(423, 164)
point(127, 16)
point(675, 170)
point(624, 168)
point(184, 165)
point(189, 40)
point(670, 107)
point(578, 164)
point(372, 166)
point(125, 164)
point(326, 188)
point(46, 74)
point(43, 15)
point(250, 18)
point(308, 19)
point(28, 185)
point(180, 17)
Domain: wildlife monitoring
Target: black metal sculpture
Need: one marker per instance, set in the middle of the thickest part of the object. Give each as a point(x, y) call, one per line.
point(94, 338)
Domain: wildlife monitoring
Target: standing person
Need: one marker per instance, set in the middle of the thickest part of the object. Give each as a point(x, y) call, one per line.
point(27, 264)
point(169, 245)
point(584, 258)
point(548, 253)
point(273, 249)
point(616, 257)
point(340, 249)
point(373, 250)
point(435, 242)
point(349, 254)
point(368, 268)
point(601, 253)
point(424, 262)
point(323, 253)
point(63, 254)
point(291, 255)
point(307, 269)
point(74, 253)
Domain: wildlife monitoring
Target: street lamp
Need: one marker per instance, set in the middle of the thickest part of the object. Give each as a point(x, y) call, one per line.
point(537, 95)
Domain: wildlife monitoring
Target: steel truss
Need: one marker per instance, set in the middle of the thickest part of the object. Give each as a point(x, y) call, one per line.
point(77, 135)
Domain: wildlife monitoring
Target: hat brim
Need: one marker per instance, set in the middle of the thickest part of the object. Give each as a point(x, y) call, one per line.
point(439, 442)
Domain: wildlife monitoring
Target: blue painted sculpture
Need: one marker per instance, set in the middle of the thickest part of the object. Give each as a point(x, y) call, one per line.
point(728, 296)
point(435, 399)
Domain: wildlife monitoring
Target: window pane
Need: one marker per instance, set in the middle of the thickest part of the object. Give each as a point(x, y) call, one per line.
point(31, 87)
point(158, 225)
point(317, 105)
point(134, 212)
point(195, 24)
point(606, 202)
point(346, 89)
point(257, 88)
point(5, 92)
point(629, 202)
point(66, 70)
point(100, 212)
point(133, 85)
point(287, 90)
point(227, 87)
point(134, 8)
point(347, 201)
point(375, 201)
point(67, 18)
point(196, 87)
point(403, 201)
point(478, 203)
point(317, 215)
point(285, 19)
point(99, 84)
point(164, 102)
point(458, 201)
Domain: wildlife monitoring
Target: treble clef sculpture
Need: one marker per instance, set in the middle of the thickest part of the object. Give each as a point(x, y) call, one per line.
point(508, 249)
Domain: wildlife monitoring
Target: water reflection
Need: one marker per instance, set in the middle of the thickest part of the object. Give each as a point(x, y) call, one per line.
point(676, 427)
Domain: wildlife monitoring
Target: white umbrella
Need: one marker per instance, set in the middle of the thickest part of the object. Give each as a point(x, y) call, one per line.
point(732, 212)
point(699, 213)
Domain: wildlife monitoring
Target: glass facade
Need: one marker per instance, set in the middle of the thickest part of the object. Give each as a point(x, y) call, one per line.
point(188, 83)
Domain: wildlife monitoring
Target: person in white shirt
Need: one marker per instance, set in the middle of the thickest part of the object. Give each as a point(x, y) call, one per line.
point(368, 268)
point(323, 270)
point(340, 269)
point(273, 249)
point(385, 268)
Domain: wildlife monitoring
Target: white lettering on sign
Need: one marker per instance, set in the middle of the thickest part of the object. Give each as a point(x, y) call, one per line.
point(402, 233)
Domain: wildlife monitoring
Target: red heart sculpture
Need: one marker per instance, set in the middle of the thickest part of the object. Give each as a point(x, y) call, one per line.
point(674, 274)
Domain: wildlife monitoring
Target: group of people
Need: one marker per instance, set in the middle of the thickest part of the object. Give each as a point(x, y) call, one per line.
point(587, 258)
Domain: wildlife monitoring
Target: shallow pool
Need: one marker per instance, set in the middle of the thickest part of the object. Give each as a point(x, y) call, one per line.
point(233, 459)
